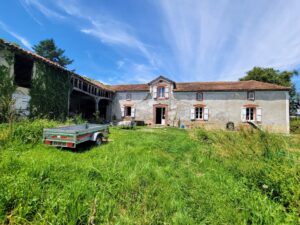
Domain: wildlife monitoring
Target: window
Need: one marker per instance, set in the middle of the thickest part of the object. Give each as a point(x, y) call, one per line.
point(128, 111)
point(199, 113)
point(199, 96)
point(161, 92)
point(128, 96)
point(251, 95)
point(23, 71)
point(250, 114)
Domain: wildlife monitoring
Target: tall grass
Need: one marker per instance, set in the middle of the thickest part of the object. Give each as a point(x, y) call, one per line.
point(150, 176)
point(262, 160)
point(25, 131)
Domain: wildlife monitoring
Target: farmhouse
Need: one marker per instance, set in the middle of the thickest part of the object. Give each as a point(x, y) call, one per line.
point(161, 102)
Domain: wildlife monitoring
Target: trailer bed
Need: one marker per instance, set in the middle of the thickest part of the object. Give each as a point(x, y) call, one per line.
point(70, 136)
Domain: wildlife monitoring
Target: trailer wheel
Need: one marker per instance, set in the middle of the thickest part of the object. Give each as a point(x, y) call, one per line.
point(99, 140)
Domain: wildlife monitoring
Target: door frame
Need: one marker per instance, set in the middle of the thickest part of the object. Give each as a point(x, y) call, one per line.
point(166, 113)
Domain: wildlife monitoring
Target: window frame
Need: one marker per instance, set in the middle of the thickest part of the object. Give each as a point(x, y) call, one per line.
point(199, 111)
point(197, 96)
point(248, 114)
point(159, 92)
point(248, 95)
point(126, 110)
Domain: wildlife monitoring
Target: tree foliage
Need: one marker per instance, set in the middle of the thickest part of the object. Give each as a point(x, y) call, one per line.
point(270, 75)
point(48, 49)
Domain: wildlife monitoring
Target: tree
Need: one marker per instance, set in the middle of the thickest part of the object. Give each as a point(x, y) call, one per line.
point(270, 75)
point(48, 49)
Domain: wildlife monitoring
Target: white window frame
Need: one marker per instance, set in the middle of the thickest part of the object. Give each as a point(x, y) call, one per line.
point(161, 94)
point(246, 113)
point(251, 95)
point(154, 91)
point(199, 113)
point(249, 113)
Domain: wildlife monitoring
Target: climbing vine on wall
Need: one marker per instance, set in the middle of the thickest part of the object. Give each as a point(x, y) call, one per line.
point(49, 92)
point(7, 87)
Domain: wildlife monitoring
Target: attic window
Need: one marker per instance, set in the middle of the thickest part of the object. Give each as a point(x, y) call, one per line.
point(23, 71)
point(199, 96)
point(251, 95)
point(128, 96)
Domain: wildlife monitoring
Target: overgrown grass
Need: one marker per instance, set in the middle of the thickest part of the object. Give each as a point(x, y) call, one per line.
point(153, 176)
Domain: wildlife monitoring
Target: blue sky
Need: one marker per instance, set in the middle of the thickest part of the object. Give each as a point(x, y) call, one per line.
point(133, 41)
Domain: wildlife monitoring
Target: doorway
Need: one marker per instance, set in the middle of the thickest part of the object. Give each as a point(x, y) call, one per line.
point(160, 115)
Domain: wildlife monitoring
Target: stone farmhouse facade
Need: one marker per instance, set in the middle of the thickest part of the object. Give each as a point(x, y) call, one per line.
point(210, 104)
point(161, 102)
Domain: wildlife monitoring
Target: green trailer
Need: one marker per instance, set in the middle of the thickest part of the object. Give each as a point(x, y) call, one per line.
point(71, 136)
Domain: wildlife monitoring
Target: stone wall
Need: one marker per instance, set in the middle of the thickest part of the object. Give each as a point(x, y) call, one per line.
point(223, 107)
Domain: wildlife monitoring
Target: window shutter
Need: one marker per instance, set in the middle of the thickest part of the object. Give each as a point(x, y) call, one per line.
point(258, 114)
point(155, 92)
point(167, 92)
point(192, 113)
point(123, 111)
point(243, 114)
point(205, 115)
point(132, 112)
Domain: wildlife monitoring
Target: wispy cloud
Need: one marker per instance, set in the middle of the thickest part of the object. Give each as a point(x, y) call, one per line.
point(46, 11)
point(107, 29)
point(20, 38)
point(222, 41)
point(29, 12)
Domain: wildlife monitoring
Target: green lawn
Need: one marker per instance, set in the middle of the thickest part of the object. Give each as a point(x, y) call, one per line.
point(153, 176)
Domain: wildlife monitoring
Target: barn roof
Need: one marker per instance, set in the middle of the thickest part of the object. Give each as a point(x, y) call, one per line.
point(209, 86)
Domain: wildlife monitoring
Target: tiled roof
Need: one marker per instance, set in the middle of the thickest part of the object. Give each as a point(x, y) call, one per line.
point(208, 86)
point(130, 87)
point(228, 86)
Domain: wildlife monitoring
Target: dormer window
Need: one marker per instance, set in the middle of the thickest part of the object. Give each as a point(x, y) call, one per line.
point(128, 96)
point(161, 92)
point(199, 96)
point(251, 95)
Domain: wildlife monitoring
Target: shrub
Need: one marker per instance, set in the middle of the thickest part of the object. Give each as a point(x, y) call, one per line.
point(295, 126)
point(26, 131)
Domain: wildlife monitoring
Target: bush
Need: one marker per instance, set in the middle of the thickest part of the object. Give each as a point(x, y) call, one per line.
point(26, 131)
point(295, 126)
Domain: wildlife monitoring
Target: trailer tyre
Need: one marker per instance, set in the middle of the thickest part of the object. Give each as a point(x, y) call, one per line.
point(99, 140)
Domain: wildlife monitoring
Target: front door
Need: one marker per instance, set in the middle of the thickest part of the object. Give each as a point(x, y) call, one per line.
point(160, 115)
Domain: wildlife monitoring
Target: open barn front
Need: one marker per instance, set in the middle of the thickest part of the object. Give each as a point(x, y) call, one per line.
point(104, 108)
point(83, 104)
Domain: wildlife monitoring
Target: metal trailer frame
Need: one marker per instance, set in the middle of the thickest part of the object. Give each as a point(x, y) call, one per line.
point(71, 136)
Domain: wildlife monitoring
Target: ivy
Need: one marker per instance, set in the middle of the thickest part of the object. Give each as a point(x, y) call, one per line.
point(49, 92)
point(7, 87)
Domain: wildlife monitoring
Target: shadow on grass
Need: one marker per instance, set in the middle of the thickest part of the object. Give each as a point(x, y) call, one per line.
point(83, 147)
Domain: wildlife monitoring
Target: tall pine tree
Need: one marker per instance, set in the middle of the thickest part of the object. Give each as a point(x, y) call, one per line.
point(48, 49)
